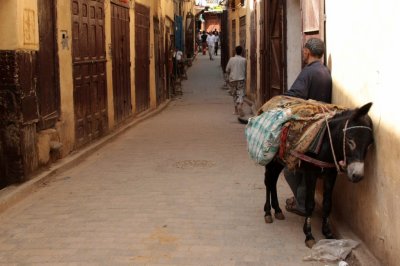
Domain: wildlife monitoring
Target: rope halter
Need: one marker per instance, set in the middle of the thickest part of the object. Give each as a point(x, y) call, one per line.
point(344, 140)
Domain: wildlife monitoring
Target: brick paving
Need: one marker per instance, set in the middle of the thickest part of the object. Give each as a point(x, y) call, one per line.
point(176, 189)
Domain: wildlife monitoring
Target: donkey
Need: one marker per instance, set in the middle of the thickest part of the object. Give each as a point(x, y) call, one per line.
point(344, 148)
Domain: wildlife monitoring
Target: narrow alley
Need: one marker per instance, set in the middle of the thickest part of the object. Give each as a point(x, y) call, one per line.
point(176, 189)
point(110, 155)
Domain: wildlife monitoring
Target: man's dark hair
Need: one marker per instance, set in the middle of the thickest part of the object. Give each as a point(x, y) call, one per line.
point(239, 50)
point(316, 47)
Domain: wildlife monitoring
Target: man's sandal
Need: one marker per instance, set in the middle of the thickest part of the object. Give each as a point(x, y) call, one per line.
point(291, 207)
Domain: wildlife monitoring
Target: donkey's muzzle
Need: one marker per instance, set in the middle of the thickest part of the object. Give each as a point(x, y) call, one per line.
point(355, 171)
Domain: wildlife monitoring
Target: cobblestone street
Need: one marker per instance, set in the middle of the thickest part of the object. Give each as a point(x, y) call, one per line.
point(175, 189)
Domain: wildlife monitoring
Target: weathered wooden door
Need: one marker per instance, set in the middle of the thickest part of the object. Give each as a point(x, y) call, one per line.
point(224, 40)
point(233, 45)
point(253, 52)
point(121, 61)
point(159, 61)
point(242, 34)
point(89, 70)
point(163, 50)
point(313, 22)
point(274, 49)
point(142, 61)
point(168, 61)
point(47, 58)
point(189, 35)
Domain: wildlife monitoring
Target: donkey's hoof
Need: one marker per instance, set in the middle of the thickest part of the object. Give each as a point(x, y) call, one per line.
point(279, 216)
point(310, 243)
point(268, 219)
point(329, 236)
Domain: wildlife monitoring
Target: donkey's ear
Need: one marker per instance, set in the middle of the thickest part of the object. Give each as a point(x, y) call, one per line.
point(363, 110)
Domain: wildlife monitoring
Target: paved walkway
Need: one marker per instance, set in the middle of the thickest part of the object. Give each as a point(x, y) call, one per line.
point(177, 189)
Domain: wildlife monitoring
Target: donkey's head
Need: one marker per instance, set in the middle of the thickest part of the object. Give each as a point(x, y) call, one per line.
point(357, 137)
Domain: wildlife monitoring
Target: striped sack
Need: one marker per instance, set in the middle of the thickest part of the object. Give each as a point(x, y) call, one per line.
point(263, 134)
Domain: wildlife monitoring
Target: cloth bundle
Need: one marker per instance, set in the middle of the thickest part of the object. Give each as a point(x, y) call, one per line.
point(304, 124)
point(263, 134)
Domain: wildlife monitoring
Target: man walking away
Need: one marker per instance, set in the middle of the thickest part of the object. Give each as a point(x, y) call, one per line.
point(198, 41)
point(236, 70)
point(314, 82)
point(211, 43)
point(204, 42)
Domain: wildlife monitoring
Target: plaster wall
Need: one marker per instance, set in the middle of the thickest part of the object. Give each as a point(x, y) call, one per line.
point(167, 15)
point(187, 7)
point(66, 125)
point(363, 58)
point(167, 7)
point(19, 27)
point(235, 15)
point(8, 27)
point(212, 23)
point(259, 74)
point(294, 38)
point(157, 7)
point(108, 40)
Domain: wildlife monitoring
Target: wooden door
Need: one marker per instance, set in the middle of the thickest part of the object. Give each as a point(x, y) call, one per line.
point(142, 60)
point(89, 70)
point(121, 61)
point(253, 53)
point(242, 34)
point(168, 61)
point(313, 20)
point(274, 49)
point(157, 61)
point(48, 91)
point(233, 37)
point(163, 50)
point(189, 35)
point(224, 40)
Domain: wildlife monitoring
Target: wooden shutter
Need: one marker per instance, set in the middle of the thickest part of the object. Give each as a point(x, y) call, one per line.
point(310, 13)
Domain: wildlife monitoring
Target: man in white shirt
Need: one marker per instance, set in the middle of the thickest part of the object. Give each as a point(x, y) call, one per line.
point(210, 44)
point(178, 55)
point(236, 69)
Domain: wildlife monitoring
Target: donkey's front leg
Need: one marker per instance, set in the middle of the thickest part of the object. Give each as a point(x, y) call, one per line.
point(329, 183)
point(311, 181)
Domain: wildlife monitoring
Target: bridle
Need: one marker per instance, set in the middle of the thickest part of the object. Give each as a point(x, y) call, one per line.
point(342, 167)
point(344, 138)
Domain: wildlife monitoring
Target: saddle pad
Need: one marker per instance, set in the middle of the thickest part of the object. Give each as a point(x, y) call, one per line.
point(305, 125)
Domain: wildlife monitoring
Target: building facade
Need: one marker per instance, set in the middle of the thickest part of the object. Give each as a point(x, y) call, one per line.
point(361, 60)
point(72, 71)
